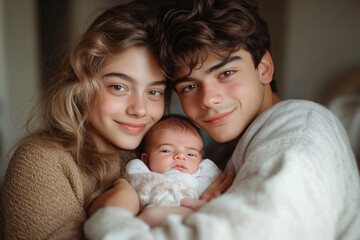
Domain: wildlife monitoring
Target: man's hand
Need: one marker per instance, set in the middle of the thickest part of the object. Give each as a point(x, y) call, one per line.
point(219, 186)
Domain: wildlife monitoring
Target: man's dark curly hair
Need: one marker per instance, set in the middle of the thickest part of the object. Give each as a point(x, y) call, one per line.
point(220, 27)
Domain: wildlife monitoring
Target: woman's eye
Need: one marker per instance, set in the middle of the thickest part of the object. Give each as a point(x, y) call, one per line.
point(118, 87)
point(188, 88)
point(227, 74)
point(156, 93)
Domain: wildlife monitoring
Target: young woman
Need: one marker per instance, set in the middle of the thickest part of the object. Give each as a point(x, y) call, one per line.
point(110, 91)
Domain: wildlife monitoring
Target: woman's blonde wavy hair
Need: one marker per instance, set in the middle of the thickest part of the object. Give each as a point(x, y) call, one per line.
point(67, 98)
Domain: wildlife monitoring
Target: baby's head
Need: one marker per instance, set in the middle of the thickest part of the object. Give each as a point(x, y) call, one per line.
point(174, 143)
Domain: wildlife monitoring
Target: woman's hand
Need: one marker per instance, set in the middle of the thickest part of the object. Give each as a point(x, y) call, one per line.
point(219, 186)
point(122, 194)
point(193, 204)
point(155, 216)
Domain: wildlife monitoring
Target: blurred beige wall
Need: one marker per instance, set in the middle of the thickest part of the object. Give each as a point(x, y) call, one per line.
point(319, 43)
point(19, 70)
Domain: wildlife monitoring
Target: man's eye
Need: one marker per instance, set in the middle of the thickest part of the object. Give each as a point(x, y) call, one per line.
point(188, 88)
point(227, 73)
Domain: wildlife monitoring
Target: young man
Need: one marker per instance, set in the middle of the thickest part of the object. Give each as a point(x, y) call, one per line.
point(296, 174)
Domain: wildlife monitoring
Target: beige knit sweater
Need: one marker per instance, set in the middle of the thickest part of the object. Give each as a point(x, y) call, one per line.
point(43, 194)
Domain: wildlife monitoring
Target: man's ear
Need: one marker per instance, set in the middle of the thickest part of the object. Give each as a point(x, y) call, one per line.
point(266, 68)
point(145, 159)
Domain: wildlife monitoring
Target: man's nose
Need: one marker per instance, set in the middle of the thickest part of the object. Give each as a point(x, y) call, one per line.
point(211, 96)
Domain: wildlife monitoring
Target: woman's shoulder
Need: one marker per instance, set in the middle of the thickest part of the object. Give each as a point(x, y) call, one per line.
point(39, 142)
point(36, 150)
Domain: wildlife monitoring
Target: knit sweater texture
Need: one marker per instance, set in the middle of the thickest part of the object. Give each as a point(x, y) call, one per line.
point(43, 194)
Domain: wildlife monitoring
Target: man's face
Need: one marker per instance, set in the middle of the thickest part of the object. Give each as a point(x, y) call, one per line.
point(225, 96)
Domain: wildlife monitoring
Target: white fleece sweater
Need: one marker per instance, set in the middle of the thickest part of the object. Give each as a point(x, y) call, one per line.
point(296, 179)
point(168, 188)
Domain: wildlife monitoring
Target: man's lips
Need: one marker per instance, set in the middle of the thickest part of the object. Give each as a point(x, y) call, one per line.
point(219, 119)
point(133, 128)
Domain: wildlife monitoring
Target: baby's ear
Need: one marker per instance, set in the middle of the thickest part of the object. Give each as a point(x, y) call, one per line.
point(145, 159)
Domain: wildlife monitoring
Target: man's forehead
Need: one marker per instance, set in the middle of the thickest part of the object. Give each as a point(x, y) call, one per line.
point(195, 62)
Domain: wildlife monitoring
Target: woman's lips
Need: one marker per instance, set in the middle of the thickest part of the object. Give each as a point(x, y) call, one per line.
point(131, 127)
point(219, 119)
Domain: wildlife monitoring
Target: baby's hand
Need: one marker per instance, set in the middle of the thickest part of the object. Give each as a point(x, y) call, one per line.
point(219, 186)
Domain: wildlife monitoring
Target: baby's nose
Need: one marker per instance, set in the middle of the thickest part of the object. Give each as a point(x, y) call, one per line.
point(180, 156)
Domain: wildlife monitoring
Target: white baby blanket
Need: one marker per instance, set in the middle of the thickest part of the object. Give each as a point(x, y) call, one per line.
point(167, 189)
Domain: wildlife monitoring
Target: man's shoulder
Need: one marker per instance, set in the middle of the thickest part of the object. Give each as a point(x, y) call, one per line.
point(293, 112)
point(298, 106)
point(292, 120)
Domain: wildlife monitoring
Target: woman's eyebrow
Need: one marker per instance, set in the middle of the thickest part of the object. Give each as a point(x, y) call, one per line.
point(133, 80)
point(160, 82)
point(120, 75)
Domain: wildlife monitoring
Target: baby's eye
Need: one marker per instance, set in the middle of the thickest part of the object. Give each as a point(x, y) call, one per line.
point(227, 74)
point(165, 151)
point(193, 155)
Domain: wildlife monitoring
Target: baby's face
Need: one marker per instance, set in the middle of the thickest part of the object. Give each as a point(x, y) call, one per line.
point(175, 150)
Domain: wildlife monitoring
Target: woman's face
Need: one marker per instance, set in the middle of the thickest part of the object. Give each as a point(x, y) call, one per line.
point(132, 100)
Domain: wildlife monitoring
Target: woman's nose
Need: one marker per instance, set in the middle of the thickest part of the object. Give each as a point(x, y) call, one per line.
point(136, 107)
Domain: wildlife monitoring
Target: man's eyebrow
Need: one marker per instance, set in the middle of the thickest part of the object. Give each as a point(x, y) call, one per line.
point(180, 80)
point(223, 63)
point(132, 80)
point(213, 68)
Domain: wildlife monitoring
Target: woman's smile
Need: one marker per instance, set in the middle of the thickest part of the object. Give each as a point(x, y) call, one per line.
point(132, 128)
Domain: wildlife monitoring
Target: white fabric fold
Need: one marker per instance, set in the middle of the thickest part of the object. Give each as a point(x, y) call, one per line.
point(167, 189)
point(296, 179)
